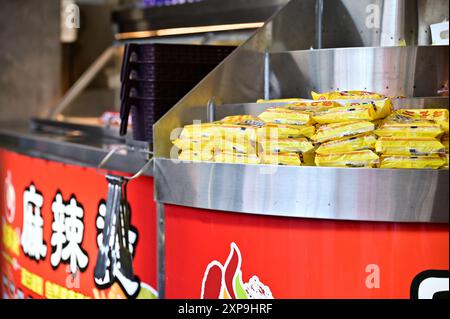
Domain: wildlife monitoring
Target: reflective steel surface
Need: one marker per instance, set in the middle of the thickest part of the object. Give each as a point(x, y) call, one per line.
point(307, 192)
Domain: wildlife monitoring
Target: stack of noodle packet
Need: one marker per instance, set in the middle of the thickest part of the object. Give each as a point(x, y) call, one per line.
point(414, 138)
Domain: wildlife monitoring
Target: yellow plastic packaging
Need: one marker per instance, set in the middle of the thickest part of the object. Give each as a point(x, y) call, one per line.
point(338, 130)
point(197, 131)
point(439, 116)
point(272, 130)
point(348, 144)
point(351, 112)
point(281, 115)
point(285, 145)
point(408, 146)
point(346, 95)
point(395, 126)
point(194, 144)
point(292, 159)
point(399, 161)
point(190, 155)
point(243, 120)
point(365, 158)
point(312, 106)
point(226, 157)
point(236, 132)
point(354, 111)
point(243, 146)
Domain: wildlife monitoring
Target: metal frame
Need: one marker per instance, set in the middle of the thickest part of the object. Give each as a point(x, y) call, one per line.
point(273, 64)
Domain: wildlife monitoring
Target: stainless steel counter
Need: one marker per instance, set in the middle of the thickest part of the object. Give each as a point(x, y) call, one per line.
point(72, 147)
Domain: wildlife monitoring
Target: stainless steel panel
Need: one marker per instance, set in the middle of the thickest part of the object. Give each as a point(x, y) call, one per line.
point(87, 151)
point(408, 71)
point(350, 23)
point(307, 192)
point(430, 12)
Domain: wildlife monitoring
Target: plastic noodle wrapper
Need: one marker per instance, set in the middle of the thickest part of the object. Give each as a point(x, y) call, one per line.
point(399, 126)
point(348, 144)
point(350, 112)
point(198, 156)
point(408, 146)
point(347, 95)
point(285, 145)
point(288, 100)
point(227, 157)
point(312, 106)
point(281, 115)
point(235, 131)
point(308, 159)
point(243, 120)
point(239, 145)
point(439, 116)
point(404, 161)
point(339, 130)
point(197, 131)
point(383, 108)
point(194, 143)
point(291, 159)
point(273, 131)
point(446, 159)
point(351, 159)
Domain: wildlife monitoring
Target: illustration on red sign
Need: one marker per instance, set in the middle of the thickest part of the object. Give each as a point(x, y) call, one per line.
point(225, 281)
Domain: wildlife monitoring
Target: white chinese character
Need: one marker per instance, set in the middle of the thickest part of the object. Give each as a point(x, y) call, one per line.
point(74, 228)
point(32, 240)
point(58, 239)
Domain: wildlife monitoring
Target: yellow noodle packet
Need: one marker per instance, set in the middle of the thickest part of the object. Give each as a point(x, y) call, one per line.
point(197, 131)
point(348, 144)
point(236, 158)
point(439, 116)
point(273, 131)
point(346, 95)
point(312, 106)
point(236, 131)
point(338, 130)
point(281, 115)
point(197, 156)
point(365, 158)
point(281, 159)
point(408, 146)
point(285, 145)
point(405, 161)
point(194, 143)
point(243, 120)
point(354, 111)
point(243, 146)
point(395, 127)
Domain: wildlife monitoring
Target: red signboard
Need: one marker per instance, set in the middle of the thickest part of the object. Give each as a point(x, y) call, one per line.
point(212, 254)
point(52, 218)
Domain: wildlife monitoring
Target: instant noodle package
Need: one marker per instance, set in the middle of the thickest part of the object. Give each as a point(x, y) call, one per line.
point(329, 131)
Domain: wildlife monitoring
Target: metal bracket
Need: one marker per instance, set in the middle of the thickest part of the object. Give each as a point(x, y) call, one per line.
point(125, 147)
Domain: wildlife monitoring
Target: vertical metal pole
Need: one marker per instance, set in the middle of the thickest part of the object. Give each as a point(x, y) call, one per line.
point(210, 111)
point(266, 76)
point(161, 254)
point(319, 26)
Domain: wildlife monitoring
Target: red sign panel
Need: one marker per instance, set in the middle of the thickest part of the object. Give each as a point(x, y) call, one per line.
point(211, 254)
point(52, 218)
